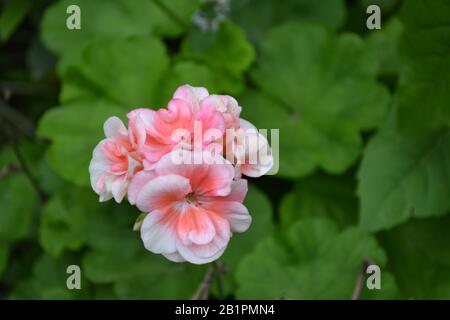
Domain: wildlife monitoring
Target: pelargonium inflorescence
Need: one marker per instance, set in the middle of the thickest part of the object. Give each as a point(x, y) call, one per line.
point(183, 166)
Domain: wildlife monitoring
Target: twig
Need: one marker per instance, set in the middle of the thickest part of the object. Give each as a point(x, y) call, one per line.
point(219, 268)
point(361, 277)
point(170, 13)
point(215, 270)
point(202, 292)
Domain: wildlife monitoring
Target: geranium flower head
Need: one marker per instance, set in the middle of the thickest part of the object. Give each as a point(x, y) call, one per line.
point(194, 205)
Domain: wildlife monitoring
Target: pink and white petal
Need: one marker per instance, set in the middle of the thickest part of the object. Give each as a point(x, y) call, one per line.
point(158, 232)
point(137, 132)
point(238, 192)
point(218, 181)
point(174, 257)
point(146, 115)
point(192, 95)
point(137, 184)
point(234, 212)
point(245, 124)
point(210, 118)
point(200, 254)
point(98, 169)
point(263, 156)
point(114, 127)
point(161, 192)
point(119, 187)
point(212, 177)
point(195, 226)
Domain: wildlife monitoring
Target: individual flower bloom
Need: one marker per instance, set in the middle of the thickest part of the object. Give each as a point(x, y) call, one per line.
point(199, 96)
point(117, 158)
point(174, 127)
point(191, 95)
point(192, 208)
point(248, 150)
point(227, 105)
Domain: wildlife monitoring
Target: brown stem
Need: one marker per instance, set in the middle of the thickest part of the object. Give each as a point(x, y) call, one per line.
point(202, 292)
point(215, 270)
point(361, 277)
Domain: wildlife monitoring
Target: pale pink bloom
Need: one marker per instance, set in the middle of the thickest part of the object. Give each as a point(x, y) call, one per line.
point(197, 97)
point(254, 158)
point(192, 209)
point(174, 127)
point(227, 105)
point(117, 158)
point(192, 95)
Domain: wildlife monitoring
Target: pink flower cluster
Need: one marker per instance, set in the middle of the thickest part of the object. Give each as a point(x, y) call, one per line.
point(193, 208)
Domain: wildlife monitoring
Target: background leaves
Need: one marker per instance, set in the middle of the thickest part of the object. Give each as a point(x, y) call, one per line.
point(364, 143)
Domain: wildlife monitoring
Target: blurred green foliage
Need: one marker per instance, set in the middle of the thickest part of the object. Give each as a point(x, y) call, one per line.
point(364, 144)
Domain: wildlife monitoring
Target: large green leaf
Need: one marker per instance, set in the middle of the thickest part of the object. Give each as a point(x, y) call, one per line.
point(418, 257)
point(64, 219)
point(424, 92)
point(18, 200)
point(385, 44)
point(313, 261)
point(257, 16)
point(241, 245)
point(321, 196)
point(74, 130)
point(319, 90)
point(48, 281)
point(110, 20)
point(126, 71)
point(188, 72)
point(159, 278)
point(400, 178)
point(226, 51)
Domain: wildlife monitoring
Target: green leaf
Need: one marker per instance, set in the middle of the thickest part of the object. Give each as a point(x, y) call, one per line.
point(228, 50)
point(74, 131)
point(74, 217)
point(321, 196)
point(425, 48)
point(48, 281)
point(18, 200)
point(385, 43)
point(14, 11)
point(257, 16)
point(110, 20)
point(159, 278)
point(189, 72)
point(241, 245)
point(313, 261)
point(64, 219)
point(401, 178)
point(137, 66)
point(135, 272)
point(417, 252)
point(319, 89)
